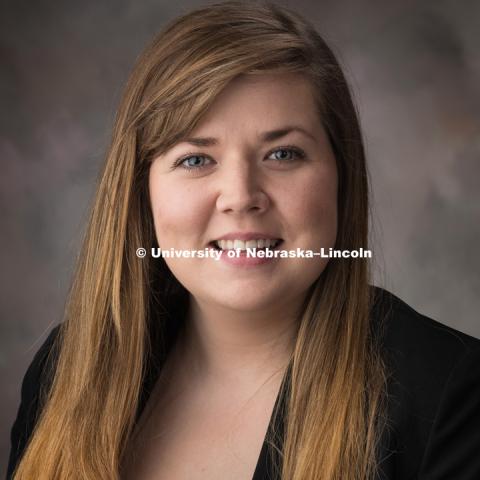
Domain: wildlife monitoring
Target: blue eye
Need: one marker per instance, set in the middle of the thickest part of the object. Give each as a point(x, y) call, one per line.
point(286, 154)
point(192, 162)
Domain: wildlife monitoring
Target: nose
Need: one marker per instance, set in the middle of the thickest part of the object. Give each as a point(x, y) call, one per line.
point(240, 189)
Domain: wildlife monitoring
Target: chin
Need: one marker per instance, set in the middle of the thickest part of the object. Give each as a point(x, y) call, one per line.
point(245, 302)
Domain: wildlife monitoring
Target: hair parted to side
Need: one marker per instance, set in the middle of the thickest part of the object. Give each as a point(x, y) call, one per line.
point(335, 394)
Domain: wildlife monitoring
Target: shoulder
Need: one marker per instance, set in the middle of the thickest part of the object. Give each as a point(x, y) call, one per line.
point(421, 353)
point(433, 396)
point(36, 382)
point(404, 327)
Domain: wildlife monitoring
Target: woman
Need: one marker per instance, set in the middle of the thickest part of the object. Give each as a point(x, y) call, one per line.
point(237, 125)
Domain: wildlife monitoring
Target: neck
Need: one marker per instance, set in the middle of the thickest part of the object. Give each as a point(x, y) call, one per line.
point(219, 346)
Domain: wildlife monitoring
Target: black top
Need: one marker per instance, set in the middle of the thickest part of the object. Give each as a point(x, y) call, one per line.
point(433, 399)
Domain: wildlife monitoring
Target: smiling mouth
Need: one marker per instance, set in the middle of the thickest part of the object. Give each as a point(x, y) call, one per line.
point(243, 246)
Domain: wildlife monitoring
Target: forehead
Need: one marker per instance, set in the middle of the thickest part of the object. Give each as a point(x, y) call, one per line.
point(259, 102)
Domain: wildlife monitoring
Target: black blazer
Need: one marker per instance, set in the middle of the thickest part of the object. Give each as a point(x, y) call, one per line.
point(433, 398)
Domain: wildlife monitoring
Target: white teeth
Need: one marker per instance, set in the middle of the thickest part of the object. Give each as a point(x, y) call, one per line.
point(243, 245)
point(239, 244)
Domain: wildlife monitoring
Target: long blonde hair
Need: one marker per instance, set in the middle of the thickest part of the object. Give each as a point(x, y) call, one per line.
point(334, 397)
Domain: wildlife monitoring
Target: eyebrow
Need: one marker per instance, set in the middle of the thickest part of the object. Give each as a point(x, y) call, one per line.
point(282, 132)
point(269, 136)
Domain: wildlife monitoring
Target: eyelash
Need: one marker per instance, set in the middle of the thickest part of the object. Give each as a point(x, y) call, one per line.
point(300, 154)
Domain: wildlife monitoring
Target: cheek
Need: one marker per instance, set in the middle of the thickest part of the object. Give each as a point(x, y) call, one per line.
point(312, 203)
point(177, 212)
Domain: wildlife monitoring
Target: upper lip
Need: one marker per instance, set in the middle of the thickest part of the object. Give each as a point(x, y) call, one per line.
point(246, 236)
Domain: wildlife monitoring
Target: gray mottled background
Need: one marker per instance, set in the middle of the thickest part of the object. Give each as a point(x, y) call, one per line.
point(415, 70)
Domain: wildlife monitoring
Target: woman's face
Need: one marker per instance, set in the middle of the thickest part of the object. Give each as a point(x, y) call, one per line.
point(261, 162)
